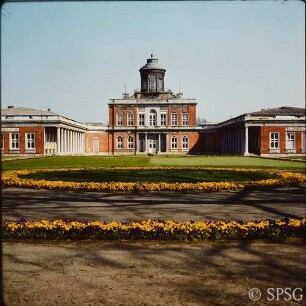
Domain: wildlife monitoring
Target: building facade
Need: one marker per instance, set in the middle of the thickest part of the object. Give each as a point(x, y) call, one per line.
point(153, 120)
point(269, 132)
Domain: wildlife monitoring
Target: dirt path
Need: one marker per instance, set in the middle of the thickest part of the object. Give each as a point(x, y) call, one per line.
point(149, 273)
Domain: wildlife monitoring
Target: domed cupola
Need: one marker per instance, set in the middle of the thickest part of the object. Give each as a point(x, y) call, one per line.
point(152, 76)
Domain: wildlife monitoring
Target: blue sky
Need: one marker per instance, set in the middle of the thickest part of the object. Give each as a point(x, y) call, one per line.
point(231, 56)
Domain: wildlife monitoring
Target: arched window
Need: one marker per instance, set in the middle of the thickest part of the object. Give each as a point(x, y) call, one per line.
point(152, 117)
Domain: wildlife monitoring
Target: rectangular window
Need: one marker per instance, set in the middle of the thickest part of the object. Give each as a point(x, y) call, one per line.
point(185, 142)
point(30, 141)
point(185, 119)
point(173, 142)
point(120, 142)
point(141, 119)
point(119, 119)
point(290, 140)
point(130, 119)
point(163, 119)
point(274, 141)
point(173, 119)
point(14, 141)
point(131, 142)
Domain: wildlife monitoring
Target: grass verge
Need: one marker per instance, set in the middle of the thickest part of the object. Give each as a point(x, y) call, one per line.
point(58, 162)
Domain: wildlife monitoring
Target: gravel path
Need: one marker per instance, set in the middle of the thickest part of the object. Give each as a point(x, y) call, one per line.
point(150, 273)
point(126, 206)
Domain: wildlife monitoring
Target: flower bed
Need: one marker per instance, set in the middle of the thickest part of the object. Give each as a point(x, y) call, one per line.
point(12, 178)
point(153, 230)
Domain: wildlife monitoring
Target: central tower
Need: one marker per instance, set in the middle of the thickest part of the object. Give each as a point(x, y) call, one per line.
point(152, 76)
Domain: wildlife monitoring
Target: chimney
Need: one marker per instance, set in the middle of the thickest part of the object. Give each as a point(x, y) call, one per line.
point(125, 95)
point(10, 106)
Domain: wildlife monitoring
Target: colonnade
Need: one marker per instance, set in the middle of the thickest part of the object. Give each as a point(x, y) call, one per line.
point(235, 141)
point(70, 141)
point(158, 138)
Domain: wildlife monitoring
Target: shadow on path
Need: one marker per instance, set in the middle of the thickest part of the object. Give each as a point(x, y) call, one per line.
point(125, 206)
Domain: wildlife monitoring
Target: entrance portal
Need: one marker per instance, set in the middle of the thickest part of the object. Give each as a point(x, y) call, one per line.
point(152, 144)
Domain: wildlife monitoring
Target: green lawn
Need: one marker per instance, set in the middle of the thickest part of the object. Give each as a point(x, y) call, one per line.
point(295, 157)
point(130, 161)
point(156, 175)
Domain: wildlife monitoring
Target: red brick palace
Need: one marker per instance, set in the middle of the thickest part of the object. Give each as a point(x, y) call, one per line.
point(153, 121)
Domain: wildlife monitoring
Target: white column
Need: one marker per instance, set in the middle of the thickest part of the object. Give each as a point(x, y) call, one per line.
point(58, 141)
point(146, 142)
point(48, 142)
point(83, 142)
point(158, 143)
point(81, 148)
point(70, 141)
point(167, 143)
point(66, 140)
point(246, 141)
point(73, 141)
point(79, 142)
point(137, 142)
point(62, 140)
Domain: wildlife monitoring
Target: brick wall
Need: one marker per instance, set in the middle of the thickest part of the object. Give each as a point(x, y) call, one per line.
point(39, 140)
point(97, 142)
point(265, 139)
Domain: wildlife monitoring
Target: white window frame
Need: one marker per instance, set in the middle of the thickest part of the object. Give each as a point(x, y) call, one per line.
point(173, 142)
point(119, 119)
point(30, 140)
point(14, 142)
point(130, 142)
point(273, 140)
point(163, 119)
point(141, 118)
point(130, 119)
point(153, 118)
point(185, 119)
point(185, 142)
point(120, 142)
point(174, 119)
point(290, 140)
